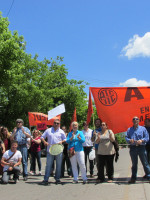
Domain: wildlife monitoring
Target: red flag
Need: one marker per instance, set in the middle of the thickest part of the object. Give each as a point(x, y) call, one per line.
point(90, 108)
point(74, 118)
point(36, 117)
point(118, 105)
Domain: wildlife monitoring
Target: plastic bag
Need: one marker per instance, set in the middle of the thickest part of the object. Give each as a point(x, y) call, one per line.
point(92, 154)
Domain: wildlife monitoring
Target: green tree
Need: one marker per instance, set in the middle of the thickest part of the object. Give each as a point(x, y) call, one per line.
point(29, 85)
point(121, 138)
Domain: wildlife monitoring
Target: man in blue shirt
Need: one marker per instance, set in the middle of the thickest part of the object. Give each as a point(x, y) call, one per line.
point(137, 136)
point(20, 134)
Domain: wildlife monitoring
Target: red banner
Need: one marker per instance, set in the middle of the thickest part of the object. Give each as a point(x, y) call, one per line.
point(118, 105)
point(41, 126)
point(36, 117)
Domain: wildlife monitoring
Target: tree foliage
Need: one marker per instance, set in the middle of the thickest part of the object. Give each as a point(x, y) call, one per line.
point(121, 138)
point(29, 85)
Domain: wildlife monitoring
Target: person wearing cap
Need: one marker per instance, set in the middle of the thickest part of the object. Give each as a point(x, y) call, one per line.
point(137, 136)
point(21, 135)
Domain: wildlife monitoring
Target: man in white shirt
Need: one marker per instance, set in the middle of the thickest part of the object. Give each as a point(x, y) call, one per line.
point(88, 145)
point(54, 135)
point(11, 160)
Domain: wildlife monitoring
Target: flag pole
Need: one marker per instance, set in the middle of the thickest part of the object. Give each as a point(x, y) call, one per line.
point(93, 122)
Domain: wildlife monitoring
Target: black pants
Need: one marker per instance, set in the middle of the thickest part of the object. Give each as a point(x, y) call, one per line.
point(87, 150)
point(105, 160)
point(35, 156)
point(68, 164)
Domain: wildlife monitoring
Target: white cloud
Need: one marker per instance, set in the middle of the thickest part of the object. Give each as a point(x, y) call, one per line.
point(133, 82)
point(137, 47)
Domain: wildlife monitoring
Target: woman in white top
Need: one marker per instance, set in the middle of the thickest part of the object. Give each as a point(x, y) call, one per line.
point(88, 145)
point(106, 152)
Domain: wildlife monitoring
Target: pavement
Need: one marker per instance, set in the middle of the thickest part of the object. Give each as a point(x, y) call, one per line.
point(118, 190)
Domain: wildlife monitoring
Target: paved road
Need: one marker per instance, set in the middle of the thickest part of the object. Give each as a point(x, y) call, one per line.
point(118, 190)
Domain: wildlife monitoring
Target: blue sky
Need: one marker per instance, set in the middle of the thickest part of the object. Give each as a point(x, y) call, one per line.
point(106, 43)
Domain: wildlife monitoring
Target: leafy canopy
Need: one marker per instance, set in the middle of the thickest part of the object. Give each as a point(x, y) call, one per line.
point(29, 85)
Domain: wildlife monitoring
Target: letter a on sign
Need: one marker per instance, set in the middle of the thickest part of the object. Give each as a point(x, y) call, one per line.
point(118, 105)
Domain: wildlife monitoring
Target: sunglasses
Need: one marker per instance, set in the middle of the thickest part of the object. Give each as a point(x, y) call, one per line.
point(135, 119)
point(56, 123)
point(19, 122)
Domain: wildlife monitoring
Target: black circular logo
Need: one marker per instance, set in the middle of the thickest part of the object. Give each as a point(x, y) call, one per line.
point(107, 97)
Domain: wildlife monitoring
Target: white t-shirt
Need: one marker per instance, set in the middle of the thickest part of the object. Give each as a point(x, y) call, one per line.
point(14, 159)
point(88, 135)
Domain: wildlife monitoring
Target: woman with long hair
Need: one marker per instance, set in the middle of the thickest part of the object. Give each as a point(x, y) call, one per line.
point(106, 152)
point(35, 152)
point(5, 137)
point(76, 153)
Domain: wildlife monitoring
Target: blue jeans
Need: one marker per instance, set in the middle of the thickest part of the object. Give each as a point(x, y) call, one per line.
point(140, 151)
point(24, 151)
point(49, 163)
point(35, 155)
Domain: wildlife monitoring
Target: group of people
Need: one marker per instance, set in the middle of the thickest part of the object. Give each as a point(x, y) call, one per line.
point(78, 145)
point(22, 138)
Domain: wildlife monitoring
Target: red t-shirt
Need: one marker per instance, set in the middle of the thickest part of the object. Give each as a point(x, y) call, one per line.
point(34, 146)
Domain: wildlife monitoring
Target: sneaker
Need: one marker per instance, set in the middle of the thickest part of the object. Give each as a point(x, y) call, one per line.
point(32, 173)
point(25, 178)
point(131, 181)
point(145, 176)
point(40, 173)
point(44, 183)
point(99, 180)
point(74, 182)
point(85, 182)
point(16, 181)
point(58, 182)
point(5, 183)
point(110, 181)
point(91, 175)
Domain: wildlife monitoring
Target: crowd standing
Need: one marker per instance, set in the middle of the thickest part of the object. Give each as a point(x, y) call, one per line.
point(74, 148)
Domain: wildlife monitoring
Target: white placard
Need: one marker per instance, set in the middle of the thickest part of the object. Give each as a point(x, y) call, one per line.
point(56, 111)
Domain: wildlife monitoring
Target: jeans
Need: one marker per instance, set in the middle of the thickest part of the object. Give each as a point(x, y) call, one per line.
point(49, 164)
point(87, 150)
point(6, 174)
point(34, 156)
point(24, 151)
point(140, 151)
